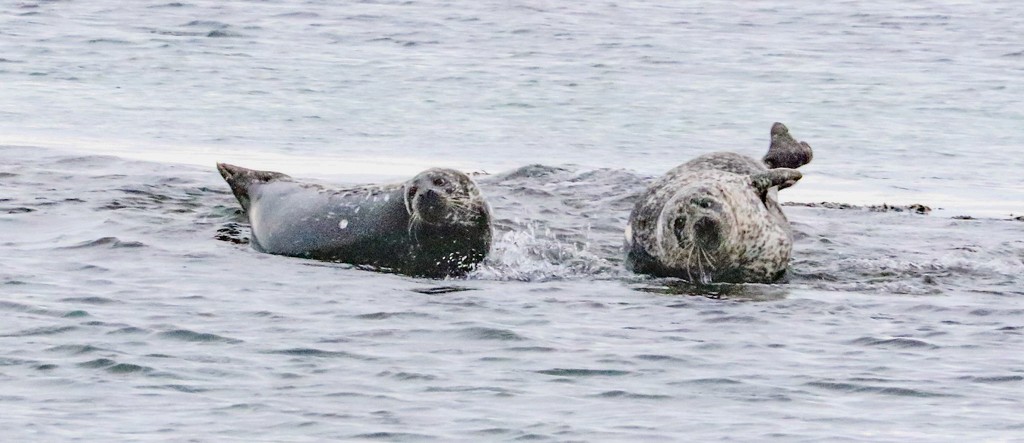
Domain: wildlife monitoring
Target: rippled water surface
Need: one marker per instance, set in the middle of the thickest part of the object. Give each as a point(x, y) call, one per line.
point(135, 311)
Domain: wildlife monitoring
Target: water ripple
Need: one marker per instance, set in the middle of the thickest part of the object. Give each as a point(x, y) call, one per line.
point(192, 336)
point(886, 390)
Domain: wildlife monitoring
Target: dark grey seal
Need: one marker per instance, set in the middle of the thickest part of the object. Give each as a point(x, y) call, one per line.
point(436, 224)
point(716, 218)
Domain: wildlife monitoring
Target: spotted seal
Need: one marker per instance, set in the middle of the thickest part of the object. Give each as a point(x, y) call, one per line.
point(716, 218)
point(436, 224)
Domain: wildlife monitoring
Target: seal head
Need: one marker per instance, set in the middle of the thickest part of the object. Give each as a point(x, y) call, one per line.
point(710, 229)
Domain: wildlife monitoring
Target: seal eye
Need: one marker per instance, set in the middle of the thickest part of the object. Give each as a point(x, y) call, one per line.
point(412, 192)
point(679, 229)
point(703, 203)
point(439, 182)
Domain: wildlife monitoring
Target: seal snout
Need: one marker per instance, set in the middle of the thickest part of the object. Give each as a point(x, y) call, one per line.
point(430, 205)
point(707, 232)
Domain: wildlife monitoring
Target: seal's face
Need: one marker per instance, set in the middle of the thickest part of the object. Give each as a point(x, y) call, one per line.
point(443, 197)
point(695, 228)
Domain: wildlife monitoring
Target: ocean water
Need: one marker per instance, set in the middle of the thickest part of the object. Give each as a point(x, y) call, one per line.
point(134, 311)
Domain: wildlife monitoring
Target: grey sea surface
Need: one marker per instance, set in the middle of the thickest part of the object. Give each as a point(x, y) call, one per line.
point(133, 310)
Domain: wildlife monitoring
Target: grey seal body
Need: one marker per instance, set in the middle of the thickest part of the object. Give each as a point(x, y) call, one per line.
point(716, 218)
point(436, 224)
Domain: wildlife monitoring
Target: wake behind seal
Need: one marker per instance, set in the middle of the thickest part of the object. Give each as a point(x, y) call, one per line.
point(436, 224)
point(717, 218)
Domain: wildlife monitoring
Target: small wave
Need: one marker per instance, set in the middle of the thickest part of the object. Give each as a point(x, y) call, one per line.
point(898, 342)
point(111, 242)
point(531, 349)
point(658, 357)
point(191, 336)
point(995, 379)
point(387, 315)
point(482, 333)
point(311, 352)
point(632, 395)
point(392, 436)
point(45, 330)
point(713, 381)
point(406, 376)
point(90, 300)
point(128, 368)
point(855, 388)
point(576, 372)
point(74, 349)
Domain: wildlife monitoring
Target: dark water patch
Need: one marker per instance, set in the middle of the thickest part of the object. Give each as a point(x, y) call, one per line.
point(109, 242)
point(658, 357)
point(76, 314)
point(482, 333)
point(392, 436)
point(128, 330)
point(192, 336)
point(19, 307)
point(577, 372)
point(387, 315)
point(177, 387)
point(994, 379)
point(74, 349)
point(45, 367)
point(531, 349)
point(222, 33)
point(318, 353)
point(111, 41)
point(442, 290)
point(500, 392)
point(170, 5)
point(4, 361)
point(632, 395)
point(17, 210)
point(710, 381)
point(716, 291)
point(532, 437)
point(44, 330)
point(407, 376)
point(897, 342)
point(746, 319)
point(128, 368)
point(856, 389)
point(90, 300)
point(98, 363)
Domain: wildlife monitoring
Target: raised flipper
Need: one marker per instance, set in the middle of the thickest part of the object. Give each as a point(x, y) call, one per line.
point(786, 152)
point(778, 177)
point(240, 179)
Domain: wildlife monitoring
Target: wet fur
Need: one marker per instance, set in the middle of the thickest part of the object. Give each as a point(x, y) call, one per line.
point(733, 193)
point(378, 226)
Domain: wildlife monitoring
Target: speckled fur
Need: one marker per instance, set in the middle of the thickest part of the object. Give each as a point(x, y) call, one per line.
point(745, 236)
point(436, 224)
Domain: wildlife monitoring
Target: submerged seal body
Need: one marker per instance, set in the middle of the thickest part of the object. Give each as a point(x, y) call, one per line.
point(436, 224)
point(716, 218)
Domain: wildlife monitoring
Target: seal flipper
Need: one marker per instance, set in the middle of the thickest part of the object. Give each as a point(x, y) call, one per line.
point(240, 179)
point(781, 177)
point(785, 151)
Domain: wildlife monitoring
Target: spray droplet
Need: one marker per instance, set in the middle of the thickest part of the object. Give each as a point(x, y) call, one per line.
point(343, 224)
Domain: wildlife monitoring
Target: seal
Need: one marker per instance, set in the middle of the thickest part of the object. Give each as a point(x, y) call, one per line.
point(436, 224)
point(717, 218)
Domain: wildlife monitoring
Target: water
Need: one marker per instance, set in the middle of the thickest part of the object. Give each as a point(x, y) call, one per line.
point(127, 320)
